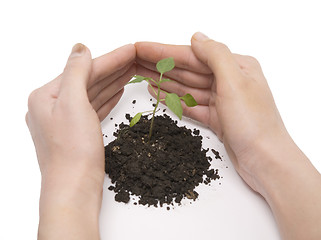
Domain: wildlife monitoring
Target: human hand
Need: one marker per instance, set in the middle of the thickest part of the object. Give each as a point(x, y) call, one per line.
point(64, 121)
point(235, 102)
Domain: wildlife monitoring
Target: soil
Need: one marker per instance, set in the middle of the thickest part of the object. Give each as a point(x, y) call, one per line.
point(164, 170)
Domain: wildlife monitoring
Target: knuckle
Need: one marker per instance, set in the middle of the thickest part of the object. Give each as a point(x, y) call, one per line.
point(249, 64)
point(32, 98)
point(252, 61)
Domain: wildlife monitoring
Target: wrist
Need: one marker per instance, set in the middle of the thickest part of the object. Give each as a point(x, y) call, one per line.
point(74, 189)
point(275, 160)
point(291, 185)
point(69, 205)
point(260, 162)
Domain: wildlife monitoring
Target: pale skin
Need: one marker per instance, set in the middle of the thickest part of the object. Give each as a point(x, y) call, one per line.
point(235, 102)
point(68, 108)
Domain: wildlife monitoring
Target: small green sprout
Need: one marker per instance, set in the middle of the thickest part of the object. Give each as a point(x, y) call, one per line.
point(172, 100)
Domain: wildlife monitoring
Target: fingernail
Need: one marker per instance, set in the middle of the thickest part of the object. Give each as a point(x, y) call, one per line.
point(78, 50)
point(200, 36)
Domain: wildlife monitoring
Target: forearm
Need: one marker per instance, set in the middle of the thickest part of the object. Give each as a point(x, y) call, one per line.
point(292, 187)
point(69, 209)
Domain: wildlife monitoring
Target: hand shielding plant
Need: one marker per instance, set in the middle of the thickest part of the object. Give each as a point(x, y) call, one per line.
point(172, 100)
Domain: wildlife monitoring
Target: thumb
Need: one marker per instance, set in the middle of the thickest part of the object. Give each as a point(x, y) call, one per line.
point(216, 55)
point(76, 74)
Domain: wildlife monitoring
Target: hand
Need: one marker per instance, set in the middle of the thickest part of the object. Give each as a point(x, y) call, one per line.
point(236, 103)
point(64, 121)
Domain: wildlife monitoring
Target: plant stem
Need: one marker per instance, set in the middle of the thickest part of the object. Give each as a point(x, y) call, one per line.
point(158, 100)
point(152, 86)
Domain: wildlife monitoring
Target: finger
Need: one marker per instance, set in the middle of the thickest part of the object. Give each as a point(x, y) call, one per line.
point(217, 56)
point(109, 91)
point(183, 55)
point(104, 69)
point(105, 109)
point(202, 96)
point(99, 86)
point(110, 63)
point(74, 80)
point(206, 116)
point(109, 66)
point(201, 113)
point(140, 70)
point(186, 77)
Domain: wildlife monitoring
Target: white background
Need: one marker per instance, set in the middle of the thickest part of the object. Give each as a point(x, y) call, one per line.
point(37, 36)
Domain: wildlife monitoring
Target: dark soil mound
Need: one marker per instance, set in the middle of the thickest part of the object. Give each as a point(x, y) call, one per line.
point(164, 170)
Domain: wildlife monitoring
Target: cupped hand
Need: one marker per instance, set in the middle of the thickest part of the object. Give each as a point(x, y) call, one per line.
point(233, 96)
point(64, 121)
point(64, 116)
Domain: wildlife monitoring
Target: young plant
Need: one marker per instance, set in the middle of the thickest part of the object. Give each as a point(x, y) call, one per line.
point(172, 100)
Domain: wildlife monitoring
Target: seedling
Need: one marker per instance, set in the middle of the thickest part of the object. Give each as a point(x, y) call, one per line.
point(172, 100)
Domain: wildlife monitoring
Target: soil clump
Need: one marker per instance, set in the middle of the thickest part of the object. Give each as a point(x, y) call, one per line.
point(164, 170)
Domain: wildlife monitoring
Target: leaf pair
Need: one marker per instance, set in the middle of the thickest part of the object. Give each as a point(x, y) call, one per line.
point(173, 102)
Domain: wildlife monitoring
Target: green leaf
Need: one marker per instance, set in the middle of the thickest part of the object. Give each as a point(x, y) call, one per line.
point(189, 100)
point(165, 65)
point(135, 119)
point(165, 80)
point(173, 102)
point(138, 79)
